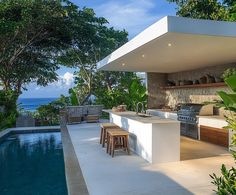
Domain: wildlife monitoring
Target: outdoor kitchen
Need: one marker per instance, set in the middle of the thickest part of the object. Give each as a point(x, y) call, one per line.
point(184, 61)
point(189, 102)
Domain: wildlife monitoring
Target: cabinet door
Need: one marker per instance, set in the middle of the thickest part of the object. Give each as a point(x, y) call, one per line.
point(214, 135)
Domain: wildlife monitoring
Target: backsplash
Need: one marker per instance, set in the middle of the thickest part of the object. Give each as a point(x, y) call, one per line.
point(216, 71)
point(197, 95)
point(171, 97)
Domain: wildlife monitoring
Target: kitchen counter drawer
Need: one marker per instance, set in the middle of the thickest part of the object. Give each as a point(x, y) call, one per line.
point(214, 135)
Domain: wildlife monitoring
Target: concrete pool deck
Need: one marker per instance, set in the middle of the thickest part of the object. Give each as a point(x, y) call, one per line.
point(125, 174)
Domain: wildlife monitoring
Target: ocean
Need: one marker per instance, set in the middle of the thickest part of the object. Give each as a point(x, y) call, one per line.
point(31, 104)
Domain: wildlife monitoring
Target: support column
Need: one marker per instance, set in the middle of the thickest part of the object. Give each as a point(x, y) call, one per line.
point(156, 95)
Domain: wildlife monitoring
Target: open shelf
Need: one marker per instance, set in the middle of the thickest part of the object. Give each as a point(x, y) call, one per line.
point(222, 84)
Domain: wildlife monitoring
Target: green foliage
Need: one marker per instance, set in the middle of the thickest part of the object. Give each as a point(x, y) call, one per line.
point(35, 34)
point(9, 114)
point(229, 100)
point(36, 37)
point(31, 34)
point(204, 9)
point(226, 183)
point(229, 72)
point(128, 90)
point(88, 80)
point(137, 92)
point(49, 114)
point(73, 97)
point(109, 88)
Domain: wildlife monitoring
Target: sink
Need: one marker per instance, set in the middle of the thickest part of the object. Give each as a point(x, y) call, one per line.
point(144, 115)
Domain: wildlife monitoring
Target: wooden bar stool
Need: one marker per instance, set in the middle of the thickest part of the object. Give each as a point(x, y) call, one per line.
point(103, 134)
point(117, 139)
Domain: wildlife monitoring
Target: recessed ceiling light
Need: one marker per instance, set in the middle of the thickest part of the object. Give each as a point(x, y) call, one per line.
point(169, 44)
point(143, 56)
point(123, 64)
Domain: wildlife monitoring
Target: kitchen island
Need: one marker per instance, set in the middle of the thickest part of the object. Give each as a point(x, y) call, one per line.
point(155, 139)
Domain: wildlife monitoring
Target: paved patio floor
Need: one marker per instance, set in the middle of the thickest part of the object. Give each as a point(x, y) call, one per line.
point(131, 175)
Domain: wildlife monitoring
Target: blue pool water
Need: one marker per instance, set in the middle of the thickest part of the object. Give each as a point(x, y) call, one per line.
point(32, 164)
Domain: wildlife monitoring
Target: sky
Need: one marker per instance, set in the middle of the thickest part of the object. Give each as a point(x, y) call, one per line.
point(132, 15)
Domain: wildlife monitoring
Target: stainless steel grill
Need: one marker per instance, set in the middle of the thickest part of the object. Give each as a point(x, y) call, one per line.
point(187, 114)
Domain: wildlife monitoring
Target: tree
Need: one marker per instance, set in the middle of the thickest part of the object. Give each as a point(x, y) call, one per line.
point(8, 108)
point(203, 9)
point(88, 79)
point(33, 34)
point(109, 88)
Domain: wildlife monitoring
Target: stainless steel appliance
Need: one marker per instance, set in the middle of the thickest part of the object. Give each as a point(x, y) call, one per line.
point(187, 115)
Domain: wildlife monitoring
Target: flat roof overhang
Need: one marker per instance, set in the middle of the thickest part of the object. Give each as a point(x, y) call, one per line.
point(175, 44)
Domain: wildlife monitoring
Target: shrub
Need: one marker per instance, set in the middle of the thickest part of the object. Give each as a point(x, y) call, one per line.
point(8, 102)
point(226, 183)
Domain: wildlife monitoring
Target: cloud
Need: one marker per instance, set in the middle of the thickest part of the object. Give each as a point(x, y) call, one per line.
point(68, 78)
point(65, 81)
point(37, 88)
point(55, 89)
point(132, 15)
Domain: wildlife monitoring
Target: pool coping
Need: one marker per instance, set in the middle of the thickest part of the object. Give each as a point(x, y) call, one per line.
point(74, 176)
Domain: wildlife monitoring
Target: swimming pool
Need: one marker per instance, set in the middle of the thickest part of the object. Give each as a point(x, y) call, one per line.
point(32, 164)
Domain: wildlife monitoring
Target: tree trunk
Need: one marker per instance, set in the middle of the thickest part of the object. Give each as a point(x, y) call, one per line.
point(6, 85)
point(18, 87)
point(86, 99)
point(108, 82)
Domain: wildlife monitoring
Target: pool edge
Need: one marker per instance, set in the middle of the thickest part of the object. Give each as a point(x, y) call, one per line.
point(74, 176)
point(23, 130)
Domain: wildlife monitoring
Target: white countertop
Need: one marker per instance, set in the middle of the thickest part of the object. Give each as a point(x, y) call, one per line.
point(164, 110)
point(212, 121)
point(149, 120)
point(163, 113)
point(215, 117)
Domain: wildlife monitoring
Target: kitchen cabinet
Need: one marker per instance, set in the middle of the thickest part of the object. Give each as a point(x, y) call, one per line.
point(214, 135)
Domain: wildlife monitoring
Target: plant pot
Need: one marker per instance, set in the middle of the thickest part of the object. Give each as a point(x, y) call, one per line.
point(196, 82)
point(210, 79)
point(203, 80)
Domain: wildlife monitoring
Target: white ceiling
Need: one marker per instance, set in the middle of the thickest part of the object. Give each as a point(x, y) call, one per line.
point(175, 50)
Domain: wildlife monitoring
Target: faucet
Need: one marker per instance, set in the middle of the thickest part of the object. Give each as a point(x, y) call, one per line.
point(137, 106)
